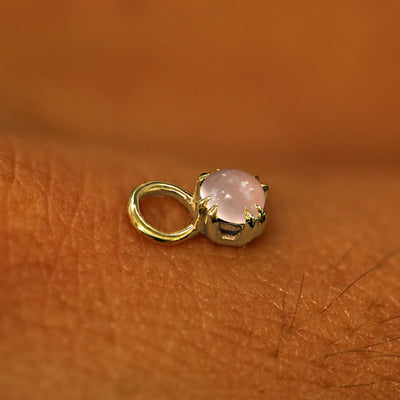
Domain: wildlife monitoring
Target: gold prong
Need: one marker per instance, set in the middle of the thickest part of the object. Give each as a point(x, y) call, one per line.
point(261, 213)
point(265, 187)
point(249, 218)
point(203, 205)
point(200, 179)
point(212, 212)
point(202, 176)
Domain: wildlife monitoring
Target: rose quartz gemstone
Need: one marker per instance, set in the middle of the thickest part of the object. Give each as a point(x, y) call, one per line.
point(233, 190)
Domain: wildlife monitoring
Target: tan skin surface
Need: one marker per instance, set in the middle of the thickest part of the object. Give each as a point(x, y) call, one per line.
point(90, 309)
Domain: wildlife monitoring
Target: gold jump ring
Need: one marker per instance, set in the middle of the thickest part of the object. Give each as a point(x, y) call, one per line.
point(161, 189)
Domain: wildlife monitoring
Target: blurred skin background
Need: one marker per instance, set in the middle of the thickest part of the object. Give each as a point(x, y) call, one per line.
point(305, 93)
point(298, 80)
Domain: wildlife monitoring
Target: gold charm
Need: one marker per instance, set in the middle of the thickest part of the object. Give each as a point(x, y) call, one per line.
point(227, 206)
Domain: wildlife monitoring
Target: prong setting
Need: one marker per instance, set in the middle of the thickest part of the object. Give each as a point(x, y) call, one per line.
point(249, 218)
point(213, 213)
point(261, 214)
point(202, 205)
point(221, 231)
point(196, 194)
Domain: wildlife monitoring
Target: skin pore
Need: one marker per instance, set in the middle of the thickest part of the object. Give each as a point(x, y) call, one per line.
point(98, 97)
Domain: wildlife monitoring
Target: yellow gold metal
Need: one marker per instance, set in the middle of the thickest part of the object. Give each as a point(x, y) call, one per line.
point(205, 220)
point(161, 189)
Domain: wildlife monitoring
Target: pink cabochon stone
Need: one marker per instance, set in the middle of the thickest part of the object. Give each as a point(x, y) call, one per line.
point(233, 190)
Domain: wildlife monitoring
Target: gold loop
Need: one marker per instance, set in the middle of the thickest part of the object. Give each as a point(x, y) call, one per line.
point(161, 189)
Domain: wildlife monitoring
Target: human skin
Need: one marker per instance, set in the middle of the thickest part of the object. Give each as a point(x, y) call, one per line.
point(92, 309)
point(106, 97)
